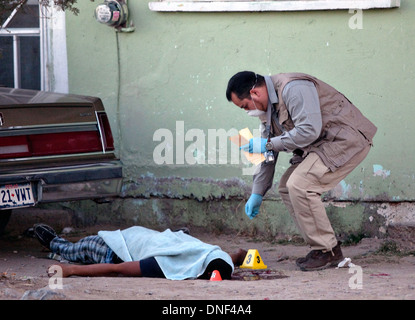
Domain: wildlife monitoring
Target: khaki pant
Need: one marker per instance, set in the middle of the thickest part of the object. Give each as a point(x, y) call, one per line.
point(301, 187)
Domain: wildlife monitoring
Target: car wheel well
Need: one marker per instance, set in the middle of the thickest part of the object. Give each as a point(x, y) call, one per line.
point(4, 219)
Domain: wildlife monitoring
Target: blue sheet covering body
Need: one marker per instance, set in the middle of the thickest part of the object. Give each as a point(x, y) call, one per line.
point(179, 255)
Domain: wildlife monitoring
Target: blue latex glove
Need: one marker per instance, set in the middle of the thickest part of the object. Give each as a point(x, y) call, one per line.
point(255, 145)
point(252, 205)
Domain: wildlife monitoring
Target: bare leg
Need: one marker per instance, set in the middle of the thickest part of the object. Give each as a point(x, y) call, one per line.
point(127, 269)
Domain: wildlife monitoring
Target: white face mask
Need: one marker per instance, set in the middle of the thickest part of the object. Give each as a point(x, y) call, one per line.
point(256, 112)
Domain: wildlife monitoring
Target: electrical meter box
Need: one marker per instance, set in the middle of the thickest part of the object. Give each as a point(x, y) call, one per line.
point(112, 13)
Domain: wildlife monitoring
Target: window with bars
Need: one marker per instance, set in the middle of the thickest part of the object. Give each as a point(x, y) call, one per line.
point(20, 48)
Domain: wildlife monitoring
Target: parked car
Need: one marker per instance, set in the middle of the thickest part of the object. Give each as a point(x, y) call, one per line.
point(54, 147)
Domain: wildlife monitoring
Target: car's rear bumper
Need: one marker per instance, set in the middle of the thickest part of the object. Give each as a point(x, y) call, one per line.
point(73, 182)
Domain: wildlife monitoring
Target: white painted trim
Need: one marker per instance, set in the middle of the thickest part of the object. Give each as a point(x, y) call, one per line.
point(16, 61)
point(19, 31)
point(54, 58)
point(290, 5)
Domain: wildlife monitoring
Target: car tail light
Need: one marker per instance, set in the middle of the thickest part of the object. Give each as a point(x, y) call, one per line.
point(104, 126)
point(37, 145)
point(65, 143)
point(14, 147)
point(59, 143)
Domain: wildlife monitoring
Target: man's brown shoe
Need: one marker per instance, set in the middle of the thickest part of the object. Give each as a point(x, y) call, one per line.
point(319, 260)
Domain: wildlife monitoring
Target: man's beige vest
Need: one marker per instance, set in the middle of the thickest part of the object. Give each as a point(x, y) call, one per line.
point(345, 131)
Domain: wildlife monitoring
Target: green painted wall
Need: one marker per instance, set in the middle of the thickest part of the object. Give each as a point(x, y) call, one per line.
point(173, 72)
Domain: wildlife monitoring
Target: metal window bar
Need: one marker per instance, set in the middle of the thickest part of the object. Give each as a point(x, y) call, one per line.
point(16, 61)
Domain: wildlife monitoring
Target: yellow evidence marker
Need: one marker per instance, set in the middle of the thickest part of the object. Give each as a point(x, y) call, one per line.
point(253, 260)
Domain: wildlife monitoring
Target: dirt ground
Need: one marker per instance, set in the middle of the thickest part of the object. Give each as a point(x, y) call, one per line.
point(23, 266)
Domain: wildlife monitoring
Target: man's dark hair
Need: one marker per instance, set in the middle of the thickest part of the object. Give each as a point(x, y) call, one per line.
point(242, 82)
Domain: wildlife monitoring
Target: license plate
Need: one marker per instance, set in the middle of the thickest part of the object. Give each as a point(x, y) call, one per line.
point(16, 195)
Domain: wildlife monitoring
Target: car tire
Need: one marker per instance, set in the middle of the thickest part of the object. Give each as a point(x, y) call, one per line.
point(4, 219)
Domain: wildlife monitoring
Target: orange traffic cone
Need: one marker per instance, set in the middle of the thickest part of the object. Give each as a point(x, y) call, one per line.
point(215, 276)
